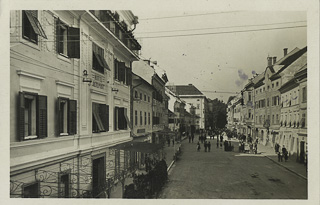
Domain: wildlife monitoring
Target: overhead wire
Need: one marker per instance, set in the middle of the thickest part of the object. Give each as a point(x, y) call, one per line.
point(222, 32)
point(198, 29)
point(188, 15)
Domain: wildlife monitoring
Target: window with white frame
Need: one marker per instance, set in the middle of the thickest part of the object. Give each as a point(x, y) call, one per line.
point(31, 27)
point(121, 120)
point(32, 116)
point(67, 116)
point(100, 117)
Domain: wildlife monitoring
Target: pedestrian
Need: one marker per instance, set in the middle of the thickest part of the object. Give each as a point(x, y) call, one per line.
point(209, 146)
point(172, 141)
point(168, 140)
point(276, 147)
point(225, 145)
point(205, 146)
point(192, 137)
point(217, 142)
point(256, 147)
point(189, 138)
point(198, 146)
point(279, 157)
point(285, 153)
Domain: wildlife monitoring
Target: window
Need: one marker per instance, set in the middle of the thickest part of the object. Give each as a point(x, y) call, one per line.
point(272, 119)
point(67, 116)
point(268, 102)
point(272, 85)
point(277, 84)
point(98, 61)
point(277, 118)
point(145, 118)
point(31, 191)
point(31, 27)
point(122, 73)
point(121, 120)
point(140, 96)
point(136, 117)
point(263, 89)
point(304, 94)
point(64, 185)
point(249, 96)
point(148, 118)
point(136, 94)
point(148, 98)
point(268, 87)
point(145, 97)
point(198, 106)
point(140, 117)
point(100, 117)
point(303, 120)
point(32, 116)
point(67, 40)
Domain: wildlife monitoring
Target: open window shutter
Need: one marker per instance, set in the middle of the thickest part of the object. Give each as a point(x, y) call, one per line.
point(57, 34)
point(104, 63)
point(42, 121)
point(72, 117)
point(115, 118)
point(32, 22)
point(21, 108)
point(59, 115)
point(115, 69)
point(73, 42)
point(104, 115)
point(121, 71)
point(129, 77)
point(121, 118)
point(107, 118)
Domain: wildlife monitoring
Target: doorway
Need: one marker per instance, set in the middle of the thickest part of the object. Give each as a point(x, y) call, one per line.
point(98, 176)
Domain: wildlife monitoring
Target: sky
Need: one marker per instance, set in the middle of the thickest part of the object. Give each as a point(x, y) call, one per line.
point(210, 49)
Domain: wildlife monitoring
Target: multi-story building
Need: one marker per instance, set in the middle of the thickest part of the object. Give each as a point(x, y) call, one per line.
point(142, 108)
point(290, 105)
point(145, 69)
point(190, 94)
point(70, 96)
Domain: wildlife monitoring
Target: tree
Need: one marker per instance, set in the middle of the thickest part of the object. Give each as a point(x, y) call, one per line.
point(218, 117)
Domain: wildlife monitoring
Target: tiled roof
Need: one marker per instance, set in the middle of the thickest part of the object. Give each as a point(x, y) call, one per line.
point(185, 90)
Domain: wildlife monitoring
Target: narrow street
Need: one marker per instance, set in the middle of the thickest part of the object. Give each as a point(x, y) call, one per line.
point(223, 175)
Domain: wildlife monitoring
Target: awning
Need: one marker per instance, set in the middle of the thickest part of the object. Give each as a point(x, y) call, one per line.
point(143, 147)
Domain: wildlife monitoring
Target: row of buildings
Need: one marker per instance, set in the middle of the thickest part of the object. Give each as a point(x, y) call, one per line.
point(83, 103)
point(272, 106)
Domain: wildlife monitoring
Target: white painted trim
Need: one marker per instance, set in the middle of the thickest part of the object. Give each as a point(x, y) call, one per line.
point(24, 73)
point(98, 92)
point(59, 82)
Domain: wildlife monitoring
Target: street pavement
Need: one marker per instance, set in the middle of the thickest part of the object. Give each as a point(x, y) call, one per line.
point(230, 175)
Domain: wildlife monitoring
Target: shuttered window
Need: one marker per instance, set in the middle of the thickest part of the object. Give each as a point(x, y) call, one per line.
point(31, 27)
point(67, 40)
point(67, 116)
point(122, 73)
point(121, 120)
point(32, 112)
point(98, 61)
point(100, 117)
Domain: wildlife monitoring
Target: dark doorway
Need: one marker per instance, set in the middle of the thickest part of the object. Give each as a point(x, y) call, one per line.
point(65, 186)
point(31, 191)
point(98, 176)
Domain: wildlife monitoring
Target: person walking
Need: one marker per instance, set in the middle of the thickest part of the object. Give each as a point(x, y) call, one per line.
point(279, 157)
point(217, 142)
point(209, 146)
point(256, 147)
point(285, 153)
point(189, 138)
point(198, 146)
point(205, 146)
point(173, 142)
point(276, 148)
point(192, 137)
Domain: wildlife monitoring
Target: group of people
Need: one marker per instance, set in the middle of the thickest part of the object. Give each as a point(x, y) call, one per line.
point(283, 154)
point(191, 138)
point(252, 147)
point(206, 144)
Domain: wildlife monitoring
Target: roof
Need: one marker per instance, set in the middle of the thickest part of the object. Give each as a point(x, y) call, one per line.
point(288, 61)
point(185, 89)
point(143, 147)
point(141, 80)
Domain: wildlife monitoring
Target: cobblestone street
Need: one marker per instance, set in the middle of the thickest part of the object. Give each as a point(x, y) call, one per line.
point(222, 175)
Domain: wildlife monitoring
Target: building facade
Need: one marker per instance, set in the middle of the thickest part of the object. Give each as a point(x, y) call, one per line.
point(70, 93)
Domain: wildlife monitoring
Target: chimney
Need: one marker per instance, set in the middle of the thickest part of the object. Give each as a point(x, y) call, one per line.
point(269, 61)
point(190, 84)
point(285, 51)
point(274, 60)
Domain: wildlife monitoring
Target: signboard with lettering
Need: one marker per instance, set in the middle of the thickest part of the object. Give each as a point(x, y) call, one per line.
point(98, 81)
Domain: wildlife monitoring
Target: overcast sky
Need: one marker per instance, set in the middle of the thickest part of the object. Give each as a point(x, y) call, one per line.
point(224, 60)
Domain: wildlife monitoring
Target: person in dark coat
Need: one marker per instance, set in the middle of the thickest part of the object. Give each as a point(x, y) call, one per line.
point(285, 153)
point(276, 148)
point(189, 138)
point(279, 157)
point(209, 146)
point(205, 146)
point(217, 142)
point(172, 142)
point(198, 146)
point(225, 145)
point(192, 137)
